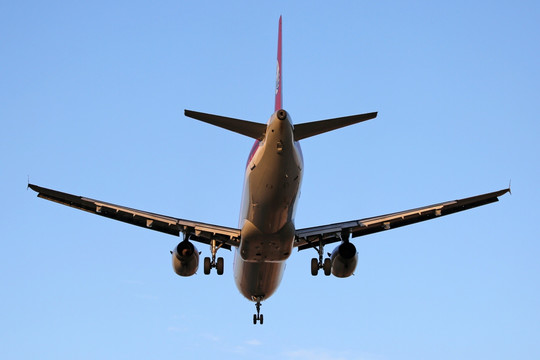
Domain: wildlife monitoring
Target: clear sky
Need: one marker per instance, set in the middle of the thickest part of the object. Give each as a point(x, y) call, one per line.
point(91, 102)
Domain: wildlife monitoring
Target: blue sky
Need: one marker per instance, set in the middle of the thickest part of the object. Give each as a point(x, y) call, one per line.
point(91, 102)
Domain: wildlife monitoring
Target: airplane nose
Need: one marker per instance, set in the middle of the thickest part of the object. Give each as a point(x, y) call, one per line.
point(281, 114)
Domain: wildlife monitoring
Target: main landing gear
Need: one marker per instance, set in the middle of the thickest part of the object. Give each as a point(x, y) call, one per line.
point(212, 263)
point(317, 264)
point(258, 316)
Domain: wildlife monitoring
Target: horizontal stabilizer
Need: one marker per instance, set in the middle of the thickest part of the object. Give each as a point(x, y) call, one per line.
point(305, 130)
point(247, 128)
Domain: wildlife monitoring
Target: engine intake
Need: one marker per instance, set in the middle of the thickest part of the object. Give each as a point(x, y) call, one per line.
point(344, 259)
point(185, 259)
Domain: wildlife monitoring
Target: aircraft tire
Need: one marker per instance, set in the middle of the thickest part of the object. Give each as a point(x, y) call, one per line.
point(327, 266)
point(219, 266)
point(207, 266)
point(314, 266)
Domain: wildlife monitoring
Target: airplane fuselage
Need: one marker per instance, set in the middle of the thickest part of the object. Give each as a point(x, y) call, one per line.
point(271, 189)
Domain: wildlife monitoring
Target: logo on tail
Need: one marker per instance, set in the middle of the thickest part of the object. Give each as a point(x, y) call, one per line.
point(278, 77)
point(279, 99)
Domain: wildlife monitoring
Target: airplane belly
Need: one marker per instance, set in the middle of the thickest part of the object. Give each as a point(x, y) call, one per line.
point(271, 190)
point(271, 193)
point(257, 246)
point(257, 280)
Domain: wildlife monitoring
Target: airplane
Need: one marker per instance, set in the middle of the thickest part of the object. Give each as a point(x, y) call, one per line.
point(266, 235)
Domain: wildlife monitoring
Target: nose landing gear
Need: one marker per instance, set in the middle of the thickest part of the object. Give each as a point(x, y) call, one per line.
point(258, 317)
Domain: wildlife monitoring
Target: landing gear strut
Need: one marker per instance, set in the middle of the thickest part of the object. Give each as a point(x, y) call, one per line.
point(212, 263)
point(317, 264)
point(258, 316)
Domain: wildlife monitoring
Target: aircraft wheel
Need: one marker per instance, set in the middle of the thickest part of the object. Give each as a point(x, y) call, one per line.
point(261, 319)
point(219, 266)
point(314, 267)
point(254, 319)
point(327, 266)
point(207, 266)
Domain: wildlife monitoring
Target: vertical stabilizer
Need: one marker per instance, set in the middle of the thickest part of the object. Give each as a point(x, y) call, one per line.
point(279, 83)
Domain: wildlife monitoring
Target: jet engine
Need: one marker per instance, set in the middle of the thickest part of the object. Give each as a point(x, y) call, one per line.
point(344, 259)
point(185, 259)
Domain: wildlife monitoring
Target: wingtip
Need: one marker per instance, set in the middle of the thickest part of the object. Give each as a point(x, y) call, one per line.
point(504, 191)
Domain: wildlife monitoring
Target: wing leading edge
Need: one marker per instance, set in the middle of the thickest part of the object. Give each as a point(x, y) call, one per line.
point(310, 237)
point(195, 231)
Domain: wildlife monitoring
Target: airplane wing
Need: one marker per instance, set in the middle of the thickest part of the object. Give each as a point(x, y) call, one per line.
point(311, 237)
point(195, 231)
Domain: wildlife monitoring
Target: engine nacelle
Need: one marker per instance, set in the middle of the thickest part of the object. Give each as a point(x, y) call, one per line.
point(185, 259)
point(344, 259)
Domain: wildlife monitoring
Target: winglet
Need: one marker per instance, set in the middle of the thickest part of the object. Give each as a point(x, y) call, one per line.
point(279, 70)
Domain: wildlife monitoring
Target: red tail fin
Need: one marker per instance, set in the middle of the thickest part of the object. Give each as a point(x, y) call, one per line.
point(279, 83)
